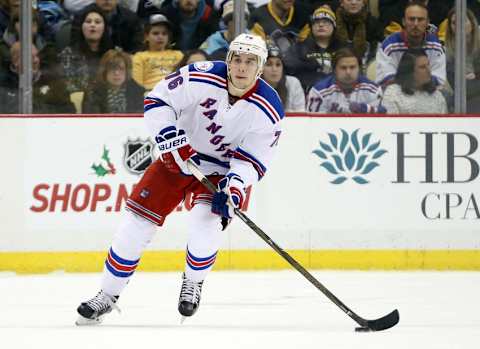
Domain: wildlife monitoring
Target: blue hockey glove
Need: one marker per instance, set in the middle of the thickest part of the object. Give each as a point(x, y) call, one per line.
point(230, 195)
point(175, 150)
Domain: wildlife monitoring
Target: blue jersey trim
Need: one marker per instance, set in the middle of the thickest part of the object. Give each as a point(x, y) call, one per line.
point(152, 102)
point(207, 82)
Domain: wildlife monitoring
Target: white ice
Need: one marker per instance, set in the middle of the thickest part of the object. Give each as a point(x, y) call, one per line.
point(248, 310)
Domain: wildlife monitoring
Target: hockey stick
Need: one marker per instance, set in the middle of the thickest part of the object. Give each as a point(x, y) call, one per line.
point(379, 324)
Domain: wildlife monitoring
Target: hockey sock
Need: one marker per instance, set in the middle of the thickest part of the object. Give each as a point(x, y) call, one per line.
point(205, 237)
point(132, 237)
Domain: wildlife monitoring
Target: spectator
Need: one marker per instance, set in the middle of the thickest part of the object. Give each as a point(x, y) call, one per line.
point(152, 65)
point(80, 60)
point(192, 56)
point(472, 58)
point(414, 35)
point(8, 9)
point(76, 6)
point(288, 87)
point(12, 35)
point(358, 29)
point(146, 8)
point(346, 91)
point(193, 22)
point(219, 41)
point(391, 14)
point(283, 22)
point(474, 6)
point(49, 93)
point(52, 17)
point(126, 27)
point(114, 90)
point(414, 90)
point(311, 60)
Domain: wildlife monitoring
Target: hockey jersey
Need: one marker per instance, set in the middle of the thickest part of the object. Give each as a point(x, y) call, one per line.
point(328, 97)
point(239, 138)
point(392, 49)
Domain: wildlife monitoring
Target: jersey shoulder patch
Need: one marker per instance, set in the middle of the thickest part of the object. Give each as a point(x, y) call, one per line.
point(211, 73)
point(268, 101)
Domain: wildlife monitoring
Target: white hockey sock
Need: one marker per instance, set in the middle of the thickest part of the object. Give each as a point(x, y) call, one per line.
point(205, 237)
point(132, 237)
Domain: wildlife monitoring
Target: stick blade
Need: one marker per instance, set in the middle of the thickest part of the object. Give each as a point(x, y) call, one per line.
point(383, 323)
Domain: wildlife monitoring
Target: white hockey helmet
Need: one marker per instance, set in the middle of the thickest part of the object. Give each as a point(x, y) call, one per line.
point(251, 44)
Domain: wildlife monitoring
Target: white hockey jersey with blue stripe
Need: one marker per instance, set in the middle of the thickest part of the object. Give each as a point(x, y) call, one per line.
point(393, 48)
point(328, 97)
point(239, 138)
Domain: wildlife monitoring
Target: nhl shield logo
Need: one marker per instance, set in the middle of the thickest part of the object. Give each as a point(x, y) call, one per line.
point(138, 155)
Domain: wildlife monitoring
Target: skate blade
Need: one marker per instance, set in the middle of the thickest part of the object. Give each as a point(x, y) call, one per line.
point(83, 321)
point(182, 320)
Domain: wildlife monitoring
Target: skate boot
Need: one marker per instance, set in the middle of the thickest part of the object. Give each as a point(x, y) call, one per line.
point(190, 294)
point(92, 311)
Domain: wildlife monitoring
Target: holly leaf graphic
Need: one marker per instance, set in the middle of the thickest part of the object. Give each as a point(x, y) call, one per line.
point(105, 154)
point(100, 171)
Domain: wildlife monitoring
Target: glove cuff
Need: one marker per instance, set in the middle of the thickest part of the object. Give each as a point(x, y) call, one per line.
point(173, 143)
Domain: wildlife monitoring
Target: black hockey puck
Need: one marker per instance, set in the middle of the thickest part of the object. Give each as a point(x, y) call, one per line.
point(363, 329)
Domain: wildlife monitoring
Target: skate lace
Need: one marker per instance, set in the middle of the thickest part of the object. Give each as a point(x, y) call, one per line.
point(101, 302)
point(191, 291)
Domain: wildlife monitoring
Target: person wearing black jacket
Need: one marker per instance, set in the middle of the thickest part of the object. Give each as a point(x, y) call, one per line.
point(50, 94)
point(126, 27)
point(311, 60)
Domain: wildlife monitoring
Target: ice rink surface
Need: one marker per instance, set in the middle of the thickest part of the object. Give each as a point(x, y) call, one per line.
point(247, 310)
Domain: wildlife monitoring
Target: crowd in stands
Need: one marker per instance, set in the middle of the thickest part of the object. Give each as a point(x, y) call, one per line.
point(325, 56)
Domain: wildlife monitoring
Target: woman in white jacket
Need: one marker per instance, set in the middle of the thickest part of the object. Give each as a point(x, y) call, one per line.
point(414, 91)
point(288, 87)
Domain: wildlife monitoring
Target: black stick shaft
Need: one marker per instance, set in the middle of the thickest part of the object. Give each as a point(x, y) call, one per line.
point(383, 323)
point(211, 187)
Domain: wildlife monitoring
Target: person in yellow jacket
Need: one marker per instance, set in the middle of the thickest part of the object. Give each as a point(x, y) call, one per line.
point(158, 60)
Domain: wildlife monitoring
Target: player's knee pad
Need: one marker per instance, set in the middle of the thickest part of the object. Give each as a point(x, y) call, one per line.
point(134, 234)
point(205, 228)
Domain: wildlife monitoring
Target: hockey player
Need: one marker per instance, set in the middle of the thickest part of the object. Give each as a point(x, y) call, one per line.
point(225, 119)
point(346, 91)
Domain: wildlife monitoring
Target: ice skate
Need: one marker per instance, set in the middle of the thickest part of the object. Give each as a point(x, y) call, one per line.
point(93, 311)
point(190, 295)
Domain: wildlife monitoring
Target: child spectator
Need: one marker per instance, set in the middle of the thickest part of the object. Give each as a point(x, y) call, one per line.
point(114, 90)
point(152, 65)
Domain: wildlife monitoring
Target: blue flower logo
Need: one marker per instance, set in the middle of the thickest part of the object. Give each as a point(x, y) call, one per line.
point(349, 156)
